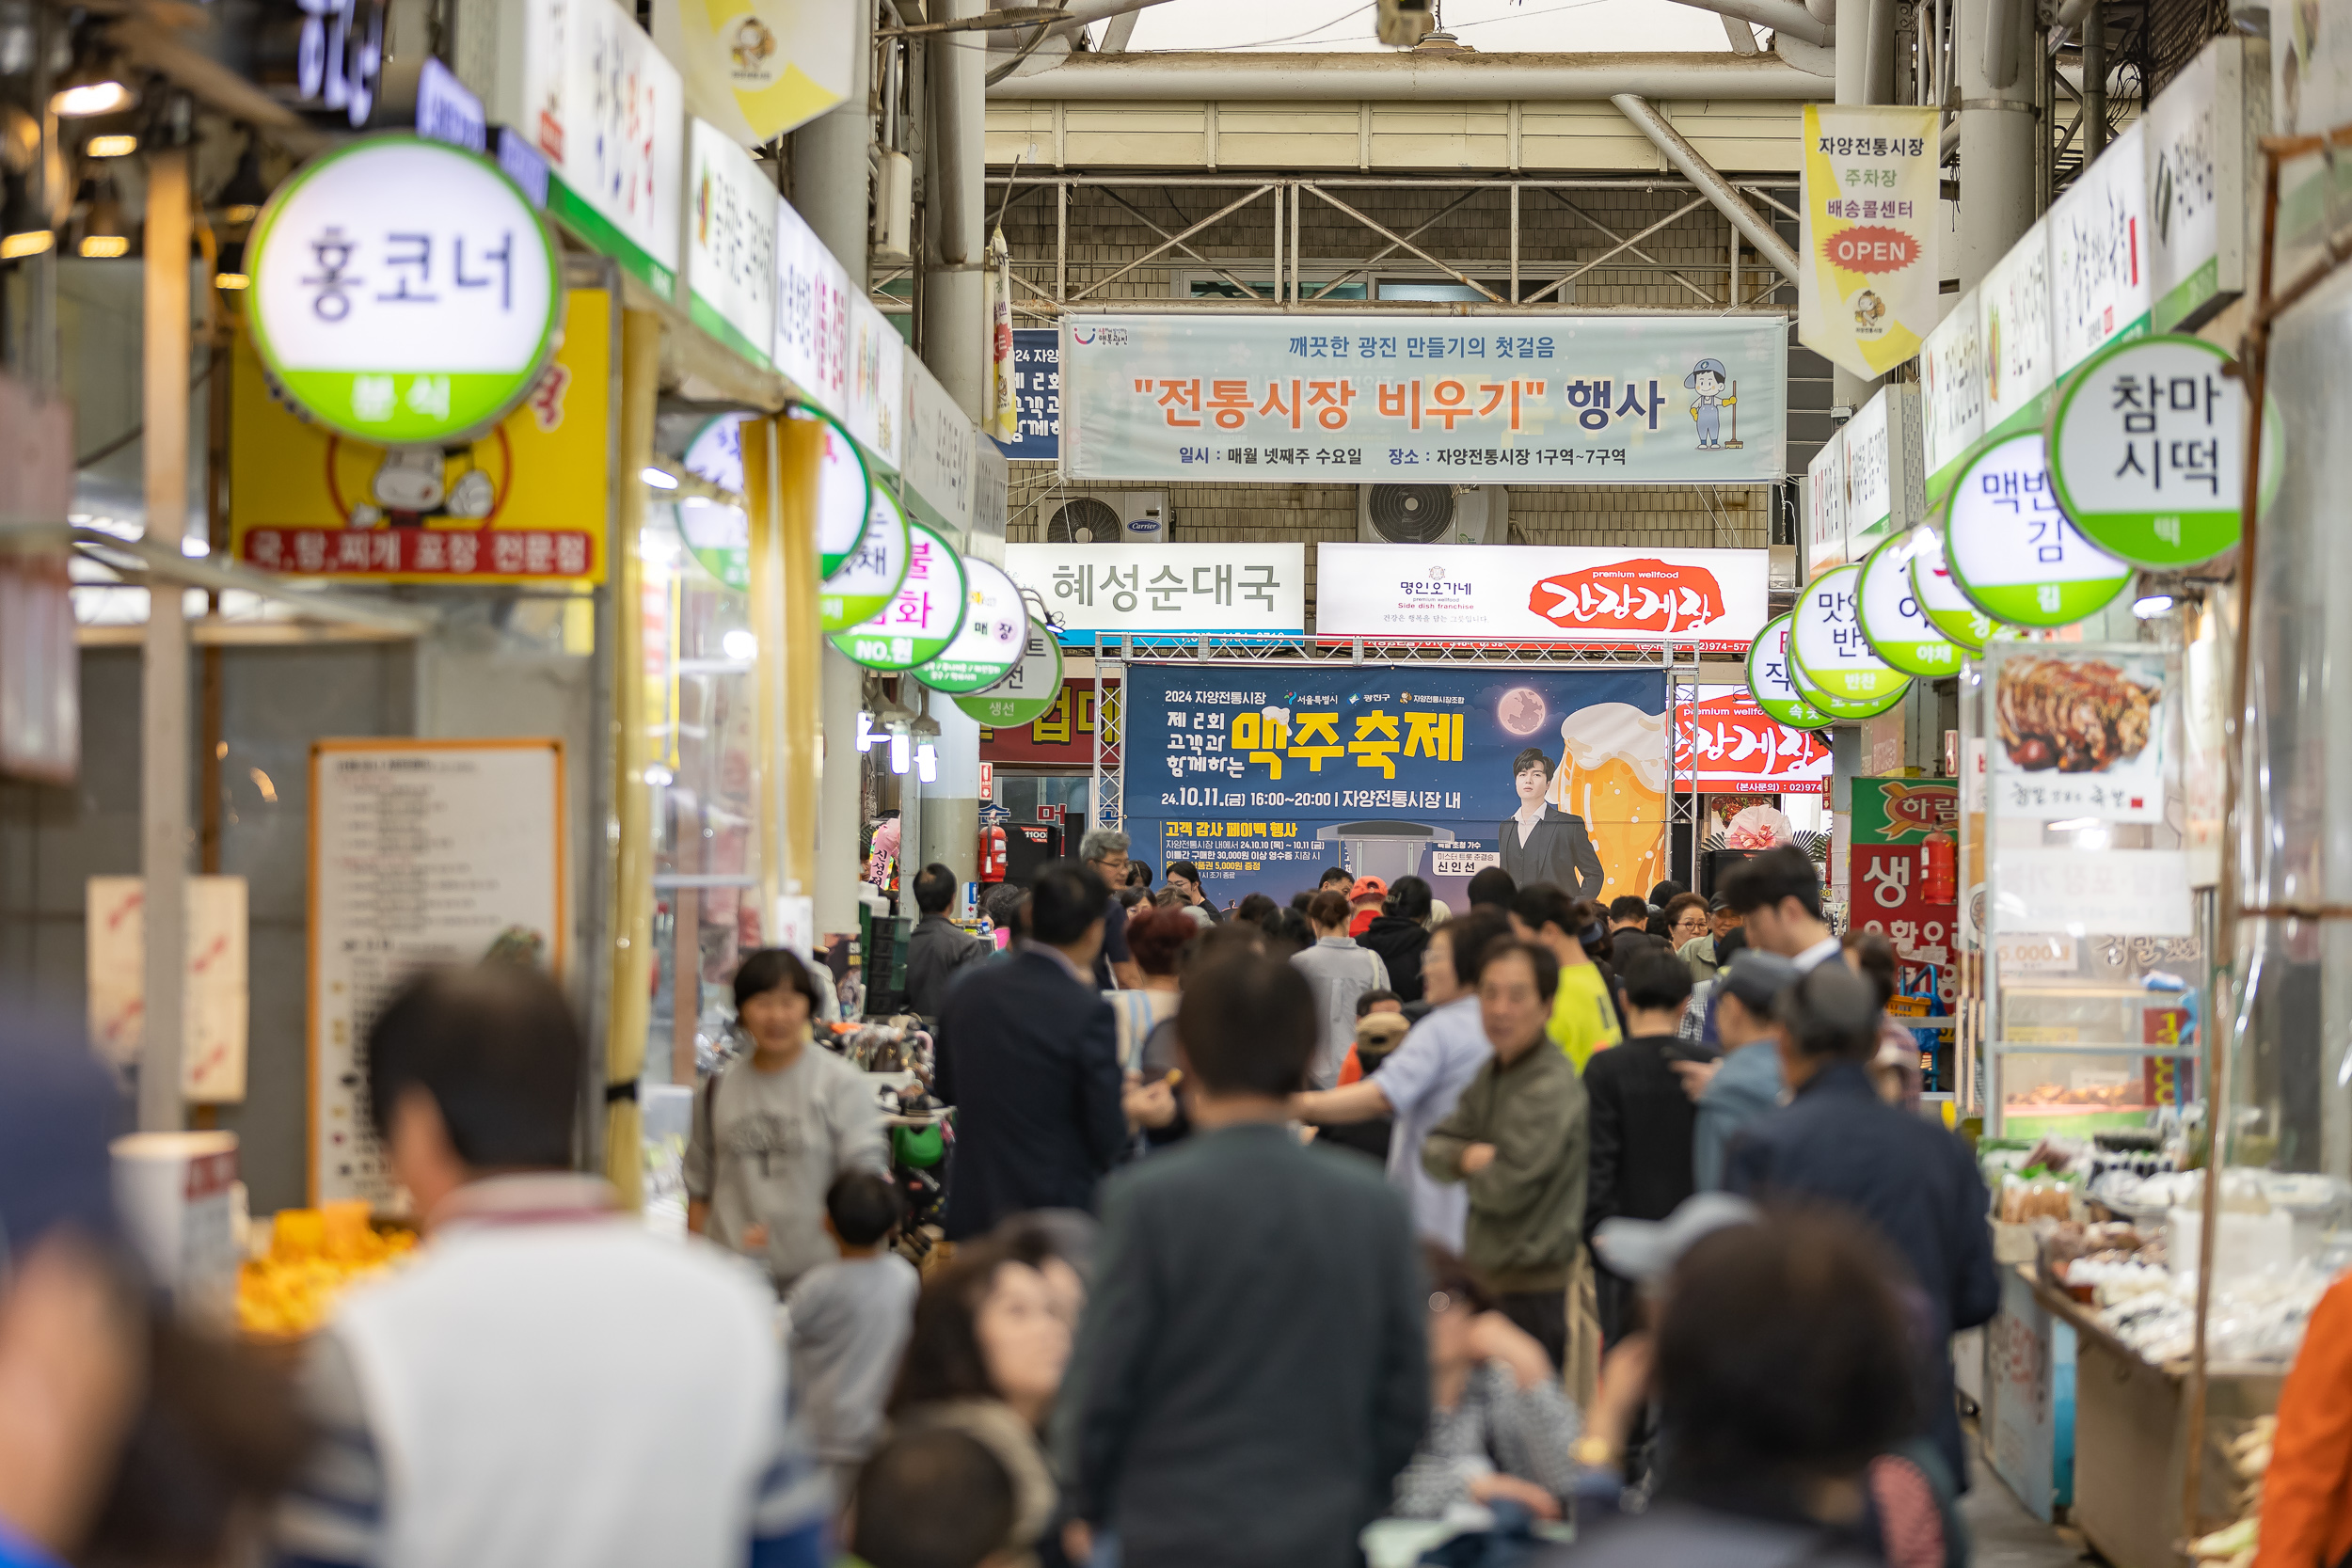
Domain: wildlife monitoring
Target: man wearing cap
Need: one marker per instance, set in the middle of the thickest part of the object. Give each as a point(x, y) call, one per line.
point(1710, 381)
point(1700, 951)
point(1745, 1083)
point(1364, 900)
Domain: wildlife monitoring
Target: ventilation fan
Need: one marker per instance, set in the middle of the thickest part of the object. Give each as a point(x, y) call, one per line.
point(1119, 517)
point(1432, 515)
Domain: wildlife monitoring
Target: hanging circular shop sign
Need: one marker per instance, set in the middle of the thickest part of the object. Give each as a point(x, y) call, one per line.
point(1022, 697)
point(845, 493)
point(1940, 598)
point(921, 619)
point(717, 535)
point(1770, 684)
point(405, 291)
point(2148, 450)
point(872, 573)
point(1893, 622)
point(1826, 644)
point(995, 634)
point(2009, 546)
point(1841, 707)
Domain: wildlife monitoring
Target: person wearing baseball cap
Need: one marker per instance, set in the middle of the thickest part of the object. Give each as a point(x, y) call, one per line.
point(1364, 900)
point(1746, 1082)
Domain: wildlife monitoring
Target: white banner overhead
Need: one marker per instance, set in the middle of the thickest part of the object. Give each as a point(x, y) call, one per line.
point(1167, 589)
point(2099, 281)
point(1557, 399)
point(1542, 594)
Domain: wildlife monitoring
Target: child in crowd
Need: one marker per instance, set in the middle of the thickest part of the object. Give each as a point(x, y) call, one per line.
point(849, 1324)
point(935, 1499)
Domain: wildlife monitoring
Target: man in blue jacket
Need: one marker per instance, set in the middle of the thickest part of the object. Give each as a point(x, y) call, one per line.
point(1913, 1183)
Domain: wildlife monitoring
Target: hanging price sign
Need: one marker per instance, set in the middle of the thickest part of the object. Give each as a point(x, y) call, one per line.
point(1826, 644)
point(995, 634)
point(1897, 628)
point(1770, 683)
point(873, 572)
point(2011, 547)
point(2148, 450)
point(922, 618)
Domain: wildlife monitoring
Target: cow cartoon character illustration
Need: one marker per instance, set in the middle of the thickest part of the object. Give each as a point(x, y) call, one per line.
point(411, 487)
point(1716, 393)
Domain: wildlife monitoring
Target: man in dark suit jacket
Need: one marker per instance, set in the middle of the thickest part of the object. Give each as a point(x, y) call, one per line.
point(1541, 843)
point(1028, 1056)
point(1837, 1143)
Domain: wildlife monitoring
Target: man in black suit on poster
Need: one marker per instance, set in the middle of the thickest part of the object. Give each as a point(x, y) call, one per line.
point(1541, 843)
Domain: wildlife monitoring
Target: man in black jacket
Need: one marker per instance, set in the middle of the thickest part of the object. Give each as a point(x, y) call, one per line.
point(1541, 843)
point(1642, 1119)
point(1028, 1056)
point(938, 948)
point(1839, 1144)
point(1252, 1371)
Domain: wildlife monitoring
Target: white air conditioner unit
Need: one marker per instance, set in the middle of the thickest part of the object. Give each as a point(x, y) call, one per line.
point(1433, 515)
point(1107, 518)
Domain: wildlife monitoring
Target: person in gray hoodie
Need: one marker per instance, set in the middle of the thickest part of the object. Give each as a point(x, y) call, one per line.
point(1746, 1082)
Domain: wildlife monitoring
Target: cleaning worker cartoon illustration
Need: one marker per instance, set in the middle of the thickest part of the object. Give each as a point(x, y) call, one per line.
point(1716, 393)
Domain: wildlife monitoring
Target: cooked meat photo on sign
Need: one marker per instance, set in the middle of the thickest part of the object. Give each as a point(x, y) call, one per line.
point(2078, 717)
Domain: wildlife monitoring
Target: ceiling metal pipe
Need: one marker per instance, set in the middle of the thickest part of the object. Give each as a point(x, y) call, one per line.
point(1717, 189)
point(1810, 58)
point(1782, 16)
point(1356, 78)
point(2000, 43)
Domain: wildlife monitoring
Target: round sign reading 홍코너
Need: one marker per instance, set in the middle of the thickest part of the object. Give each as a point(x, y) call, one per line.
point(2148, 450)
point(1841, 707)
point(1941, 600)
point(995, 632)
point(1892, 619)
point(873, 572)
point(1770, 684)
point(922, 618)
point(845, 493)
point(1826, 644)
point(2009, 546)
point(1022, 697)
point(405, 291)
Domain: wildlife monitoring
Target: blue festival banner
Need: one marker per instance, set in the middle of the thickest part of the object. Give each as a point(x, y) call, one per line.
point(1037, 394)
point(1263, 775)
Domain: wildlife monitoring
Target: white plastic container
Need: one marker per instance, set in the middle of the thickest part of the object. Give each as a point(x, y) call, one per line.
point(175, 1192)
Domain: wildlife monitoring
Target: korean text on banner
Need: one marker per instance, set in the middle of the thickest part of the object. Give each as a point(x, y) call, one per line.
point(1565, 400)
point(1167, 589)
point(1866, 280)
point(1037, 387)
point(1725, 742)
point(812, 314)
point(2020, 349)
point(524, 503)
point(758, 68)
point(2099, 279)
point(1951, 394)
point(1602, 597)
point(1825, 508)
point(730, 244)
point(2196, 168)
point(939, 450)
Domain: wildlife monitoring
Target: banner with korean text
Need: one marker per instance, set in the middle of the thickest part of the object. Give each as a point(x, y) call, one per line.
point(1167, 589)
point(1603, 598)
point(1866, 252)
point(1723, 743)
point(1553, 400)
point(1263, 775)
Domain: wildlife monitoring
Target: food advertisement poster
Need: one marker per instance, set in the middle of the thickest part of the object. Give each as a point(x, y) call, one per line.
point(524, 503)
point(1263, 776)
point(2081, 736)
point(1542, 594)
point(1550, 399)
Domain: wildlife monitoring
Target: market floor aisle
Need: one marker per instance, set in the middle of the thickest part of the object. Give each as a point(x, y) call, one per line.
point(2004, 1535)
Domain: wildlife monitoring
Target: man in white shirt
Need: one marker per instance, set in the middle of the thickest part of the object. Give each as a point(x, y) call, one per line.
point(1779, 896)
point(547, 1382)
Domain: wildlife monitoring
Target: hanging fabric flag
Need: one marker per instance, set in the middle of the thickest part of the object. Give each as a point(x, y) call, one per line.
point(1004, 417)
point(1865, 251)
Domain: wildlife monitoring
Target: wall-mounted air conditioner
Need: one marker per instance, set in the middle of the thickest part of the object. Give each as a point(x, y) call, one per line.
point(1107, 518)
point(1433, 515)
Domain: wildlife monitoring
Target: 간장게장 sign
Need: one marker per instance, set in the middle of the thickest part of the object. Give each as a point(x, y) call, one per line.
point(1725, 742)
point(2147, 449)
point(1593, 597)
point(1897, 630)
point(1552, 400)
point(1025, 695)
point(922, 618)
point(1826, 644)
point(1866, 274)
point(990, 645)
point(2010, 548)
point(1770, 684)
point(405, 291)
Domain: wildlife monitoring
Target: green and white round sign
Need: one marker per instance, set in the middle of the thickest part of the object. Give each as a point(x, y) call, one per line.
point(1826, 644)
point(1940, 598)
point(1841, 707)
point(1896, 627)
point(995, 634)
point(873, 572)
point(2148, 450)
point(2009, 546)
point(845, 492)
point(921, 619)
point(405, 291)
point(1770, 685)
point(1023, 696)
point(718, 536)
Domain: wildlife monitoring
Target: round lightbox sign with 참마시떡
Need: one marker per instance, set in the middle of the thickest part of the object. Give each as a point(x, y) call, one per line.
point(1841, 707)
point(872, 573)
point(921, 619)
point(1022, 697)
point(405, 291)
point(2011, 547)
point(1940, 598)
point(1897, 628)
point(1770, 684)
point(1826, 644)
point(2147, 446)
point(845, 492)
point(995, 632)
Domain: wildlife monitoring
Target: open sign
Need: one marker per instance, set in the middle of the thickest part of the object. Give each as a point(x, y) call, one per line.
point(1870, 248)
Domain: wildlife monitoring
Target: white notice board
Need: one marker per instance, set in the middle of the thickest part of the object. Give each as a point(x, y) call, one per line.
point(421, 852)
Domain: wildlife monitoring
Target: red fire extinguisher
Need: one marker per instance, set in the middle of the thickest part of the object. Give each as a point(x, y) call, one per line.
point(1943, 866)
point(991, 854)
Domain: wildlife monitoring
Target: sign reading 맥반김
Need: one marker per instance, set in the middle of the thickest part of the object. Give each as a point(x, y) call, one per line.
point(1725, 742)
point(1171, 590)
point(1542, 594)
point(1563, 400)
point(1867, 274)
point(2011, 550)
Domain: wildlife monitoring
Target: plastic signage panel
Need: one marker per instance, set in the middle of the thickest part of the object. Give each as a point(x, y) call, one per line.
point(2011, 547)
point(922, 619)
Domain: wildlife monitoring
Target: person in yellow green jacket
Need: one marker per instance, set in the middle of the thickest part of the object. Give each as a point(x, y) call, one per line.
point(1583, 1013)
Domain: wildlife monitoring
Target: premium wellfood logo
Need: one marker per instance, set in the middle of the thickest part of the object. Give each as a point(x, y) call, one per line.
point(1730, 734)
point(1645, 596)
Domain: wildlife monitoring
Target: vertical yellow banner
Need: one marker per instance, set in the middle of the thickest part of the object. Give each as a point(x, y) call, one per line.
point(1867, 285)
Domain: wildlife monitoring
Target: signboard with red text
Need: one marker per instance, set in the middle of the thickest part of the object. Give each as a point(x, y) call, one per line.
point(1542, 594)
point(1725, 742)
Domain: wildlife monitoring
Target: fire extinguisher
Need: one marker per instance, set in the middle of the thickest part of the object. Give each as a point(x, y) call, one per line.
point(1943, 867)
point(991, 854)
